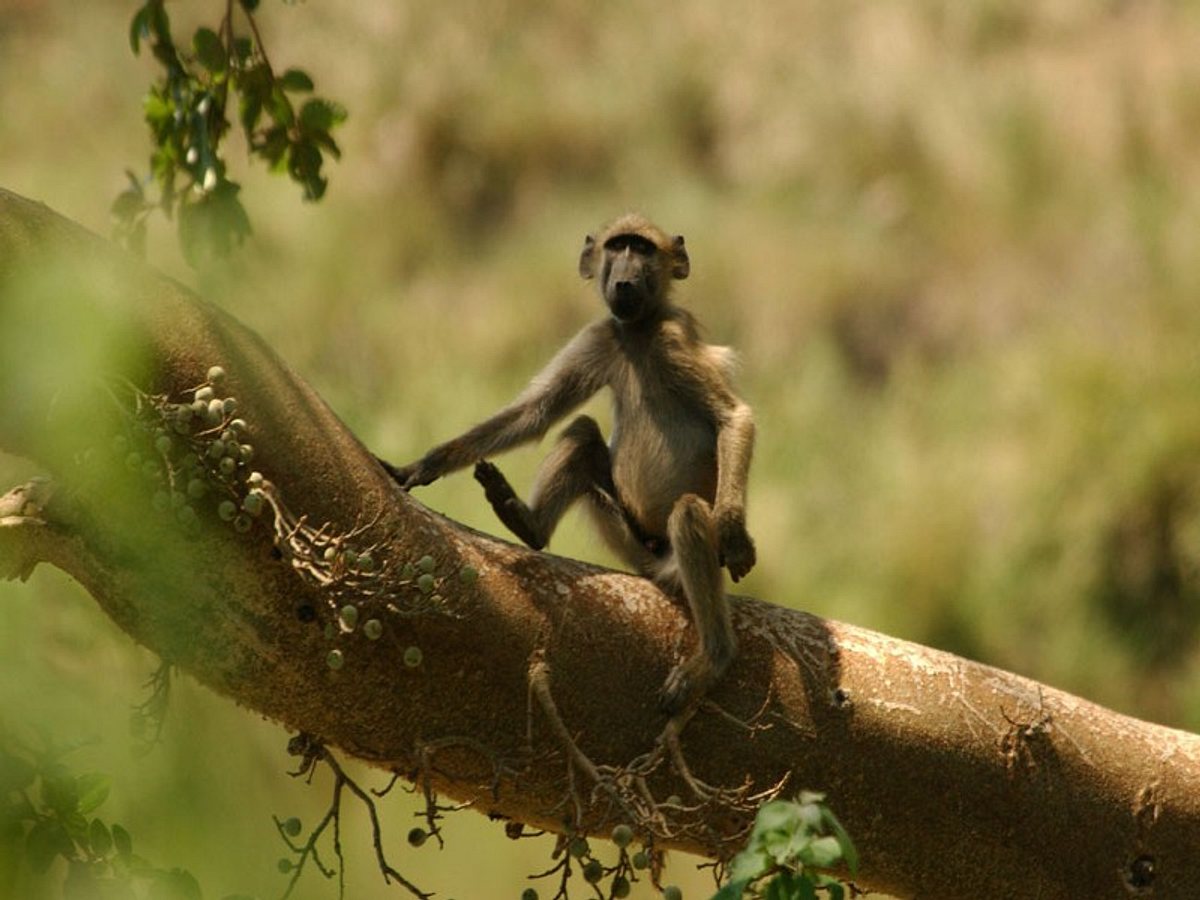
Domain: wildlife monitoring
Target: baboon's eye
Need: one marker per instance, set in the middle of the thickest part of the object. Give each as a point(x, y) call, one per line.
point(635, 242)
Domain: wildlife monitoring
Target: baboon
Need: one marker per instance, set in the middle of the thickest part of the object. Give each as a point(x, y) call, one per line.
point(668, 492)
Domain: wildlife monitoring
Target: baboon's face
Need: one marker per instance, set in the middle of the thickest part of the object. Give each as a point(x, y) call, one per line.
point(630, 277)
point(634, 266)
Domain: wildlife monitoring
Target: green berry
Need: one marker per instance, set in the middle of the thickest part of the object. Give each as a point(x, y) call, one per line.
point(245, 453)
point(216, 375)
point(426, 563)
point(349, 616)
point(468, 575)
point(425, 583)
point(196, 488)
point(366, 562)
point(622, 836)
point(640, 860)
point(254, 479)
point(242, 524)
point(373, 629)
point(529, 894)
point(417, 837)
point(215, 411)
point(330, 554)
point(408, 571)
point(292, 827)
point(349, 558)
point(150, 469)
point(185, 515)
point(239, 427)
point(593, 871)
point(578, 847)
point(620, 887)
point(253, 503)
point(229, 406)
point(204, 394)
point(228, 465)
point(413, 657)
point(162, 501)
point(671, 892)
point(227, 510)
point(216, 450)
point(162, 444)
point(335, 660)
point(284, 865)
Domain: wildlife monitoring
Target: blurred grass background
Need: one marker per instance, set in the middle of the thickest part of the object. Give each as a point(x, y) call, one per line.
point(955, 242)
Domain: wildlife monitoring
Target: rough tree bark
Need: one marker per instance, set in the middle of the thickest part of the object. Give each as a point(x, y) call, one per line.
point(535, 693)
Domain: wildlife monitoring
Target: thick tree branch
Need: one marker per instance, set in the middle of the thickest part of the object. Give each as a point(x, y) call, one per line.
point(533, 694)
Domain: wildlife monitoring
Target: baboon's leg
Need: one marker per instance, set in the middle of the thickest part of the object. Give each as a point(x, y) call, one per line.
point(693, 537)
point(576, 466)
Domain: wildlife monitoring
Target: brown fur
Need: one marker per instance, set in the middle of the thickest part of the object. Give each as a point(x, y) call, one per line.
point(668, 493)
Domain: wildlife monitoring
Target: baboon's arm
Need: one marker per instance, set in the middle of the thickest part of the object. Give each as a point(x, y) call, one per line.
point(578, 370)
point(735, 446)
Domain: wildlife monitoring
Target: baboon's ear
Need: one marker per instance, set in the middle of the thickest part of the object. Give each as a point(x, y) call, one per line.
point(587, 262)
point(680, 264)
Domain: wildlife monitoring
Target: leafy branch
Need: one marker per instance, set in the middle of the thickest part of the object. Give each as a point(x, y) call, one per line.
point(188, 110)
point(46, 817)
point(791, 848)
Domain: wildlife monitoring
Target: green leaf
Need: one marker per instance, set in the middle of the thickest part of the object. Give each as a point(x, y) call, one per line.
point(127, 205)
point(732, 890)
point(243, 49)
point(321, 115)
point(139, 29)
point(295, 80)
point(159, 110)
point(776, 816)
point(748, 866)
point(178, 884)
point(212, 225)
point(210, 50)
point(46, 841)
point(849, 852)
point(322, 139)
point(787, 886)
point(93, 790)
point(821, 853)
point(280, 108)
point(59, 791)
point(100, 838)
point(122, 842)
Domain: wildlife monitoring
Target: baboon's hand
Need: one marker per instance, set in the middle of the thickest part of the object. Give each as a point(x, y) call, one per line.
point(413, 475)
point(735, 547)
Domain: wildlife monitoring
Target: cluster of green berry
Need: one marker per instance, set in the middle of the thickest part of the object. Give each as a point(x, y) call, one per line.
point(621, 876)
point(422, 575)
point(192, 449)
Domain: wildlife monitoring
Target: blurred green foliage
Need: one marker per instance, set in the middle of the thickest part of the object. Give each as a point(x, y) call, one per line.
point(188, 109)
point(954, 242)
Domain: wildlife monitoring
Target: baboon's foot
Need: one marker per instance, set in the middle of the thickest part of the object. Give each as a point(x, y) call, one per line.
point(510, 509)
point(691, 679)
